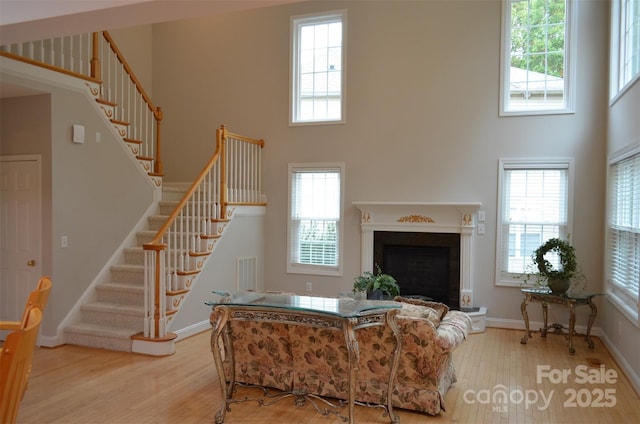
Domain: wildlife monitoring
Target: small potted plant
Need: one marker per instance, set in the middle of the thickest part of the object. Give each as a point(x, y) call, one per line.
point(558, 280)
point(376, 286)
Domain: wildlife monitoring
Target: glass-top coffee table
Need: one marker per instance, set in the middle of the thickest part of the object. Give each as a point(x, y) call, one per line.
point(570, 301)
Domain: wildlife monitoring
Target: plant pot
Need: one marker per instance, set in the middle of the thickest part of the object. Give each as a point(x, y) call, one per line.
point(558, 286)
point(374, 295)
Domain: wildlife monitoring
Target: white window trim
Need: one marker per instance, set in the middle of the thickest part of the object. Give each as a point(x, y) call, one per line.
point(615, 91)
point(296, 268)
point(627, 305)
point(570, 60)
point(296, 21)
point(528, 163)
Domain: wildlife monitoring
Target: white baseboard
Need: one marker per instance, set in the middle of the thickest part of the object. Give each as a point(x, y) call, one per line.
point(192, 330)
point(516, 324)
point(626, 367)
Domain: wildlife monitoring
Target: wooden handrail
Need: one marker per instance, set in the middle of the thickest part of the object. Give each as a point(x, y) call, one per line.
point(157, 240)
point(85, 64)
point(132, 75)
point(199, 216)
point(49, 67)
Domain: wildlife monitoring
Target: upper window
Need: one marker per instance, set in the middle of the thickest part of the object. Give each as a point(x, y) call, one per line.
point(538, 39)
point(623, 233)
point(315, 220)
point(625, 44)
point(317, 74)
point(534, 206)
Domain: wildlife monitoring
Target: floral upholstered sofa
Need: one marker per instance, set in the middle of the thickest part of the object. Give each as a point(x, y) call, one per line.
point(314, 360)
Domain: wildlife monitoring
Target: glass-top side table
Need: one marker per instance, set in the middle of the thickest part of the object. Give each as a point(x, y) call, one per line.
point(345, 315)
point(569, 300)
point(344, 307)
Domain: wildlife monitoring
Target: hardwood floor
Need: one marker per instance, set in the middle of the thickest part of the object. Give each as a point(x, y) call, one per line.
point(73, 384)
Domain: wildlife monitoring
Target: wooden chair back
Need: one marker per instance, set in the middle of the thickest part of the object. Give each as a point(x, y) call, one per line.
point(15, 364)
point(38, 297)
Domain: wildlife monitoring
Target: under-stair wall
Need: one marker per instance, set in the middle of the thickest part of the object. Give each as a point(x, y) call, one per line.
point(82, 196)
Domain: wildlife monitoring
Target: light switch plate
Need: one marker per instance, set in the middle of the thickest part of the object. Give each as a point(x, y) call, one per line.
point(78, 134)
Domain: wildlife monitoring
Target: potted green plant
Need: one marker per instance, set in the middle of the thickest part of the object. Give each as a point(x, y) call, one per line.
point(376, 286)
point(558, 280)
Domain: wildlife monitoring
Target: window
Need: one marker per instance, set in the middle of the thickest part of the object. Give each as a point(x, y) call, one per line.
point(538, 40)
point(623, 233)
point(625, 45)
point(535, 198)
point(317, 75)
point(315, 221)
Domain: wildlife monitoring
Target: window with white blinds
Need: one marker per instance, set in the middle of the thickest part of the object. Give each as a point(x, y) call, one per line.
point(624, 230)
point(315, 221)
point(534, 207)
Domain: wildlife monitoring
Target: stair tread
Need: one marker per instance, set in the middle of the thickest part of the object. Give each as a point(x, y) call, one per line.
point(100, 330)
point(114, 307)
point(120, 286)
point(127, 267)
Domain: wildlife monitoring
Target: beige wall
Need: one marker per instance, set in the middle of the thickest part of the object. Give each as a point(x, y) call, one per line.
point(135, 45)
point(421, 124)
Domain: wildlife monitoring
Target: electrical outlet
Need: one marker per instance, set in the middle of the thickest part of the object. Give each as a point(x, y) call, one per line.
point(64, 241)
point(309, 286)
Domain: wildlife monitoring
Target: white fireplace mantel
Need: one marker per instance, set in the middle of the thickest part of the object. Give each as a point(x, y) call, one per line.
point(425, 217)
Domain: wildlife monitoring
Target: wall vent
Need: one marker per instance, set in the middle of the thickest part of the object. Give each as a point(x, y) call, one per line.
point(247, 273)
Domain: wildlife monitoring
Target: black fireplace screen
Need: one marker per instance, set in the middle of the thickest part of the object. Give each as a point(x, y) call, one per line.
point(424, 264)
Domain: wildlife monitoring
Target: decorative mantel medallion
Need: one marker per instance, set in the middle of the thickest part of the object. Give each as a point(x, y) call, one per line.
point(416, 218)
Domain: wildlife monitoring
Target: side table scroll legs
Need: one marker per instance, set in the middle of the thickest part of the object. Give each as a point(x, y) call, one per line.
point(545, 319)
point(592, 318)
point(525, 316)
point(218, 326)
point(572, 325)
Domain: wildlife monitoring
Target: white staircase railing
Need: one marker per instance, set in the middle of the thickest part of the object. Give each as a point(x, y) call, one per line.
point(95, 57)
point(231, 177)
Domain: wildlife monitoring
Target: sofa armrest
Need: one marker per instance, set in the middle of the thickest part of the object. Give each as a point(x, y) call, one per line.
point(453, 330)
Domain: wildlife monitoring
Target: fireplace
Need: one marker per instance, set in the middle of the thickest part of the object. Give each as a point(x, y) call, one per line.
point(424, 264)
point(444, 231)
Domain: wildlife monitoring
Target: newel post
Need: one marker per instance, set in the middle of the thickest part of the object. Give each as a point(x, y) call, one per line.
point(222, 139)
point(157, 165)
point(95, 61)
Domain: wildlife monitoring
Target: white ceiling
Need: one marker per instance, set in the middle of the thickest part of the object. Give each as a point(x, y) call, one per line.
point(26, 20)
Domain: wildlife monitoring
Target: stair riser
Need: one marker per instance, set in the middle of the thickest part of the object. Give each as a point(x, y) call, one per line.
point(146, 237)
point(113, 319)
point(167, 209)
point(171, 195)
point(122, 345)
point(122, 297)
point(134, 257)
point(128, 277)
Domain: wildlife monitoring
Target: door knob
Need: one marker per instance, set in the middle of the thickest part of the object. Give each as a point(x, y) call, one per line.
point(32, 262)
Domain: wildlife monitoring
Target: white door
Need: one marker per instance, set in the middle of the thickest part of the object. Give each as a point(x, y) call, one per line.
point(20, 224)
